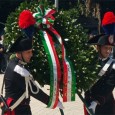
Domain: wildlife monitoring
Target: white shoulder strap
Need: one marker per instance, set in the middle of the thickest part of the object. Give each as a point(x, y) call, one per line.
point(106, 66)
point(28, 77)
point(18, 101)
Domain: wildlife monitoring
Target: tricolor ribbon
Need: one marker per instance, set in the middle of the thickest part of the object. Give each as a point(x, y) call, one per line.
point(69, 81)
point(44, 19)
point(54, 66)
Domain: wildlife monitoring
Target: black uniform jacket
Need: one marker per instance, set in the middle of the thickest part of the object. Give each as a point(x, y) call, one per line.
point(15, 84)
point(101, 91)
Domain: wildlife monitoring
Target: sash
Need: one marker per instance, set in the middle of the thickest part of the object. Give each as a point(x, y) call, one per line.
point(105, 68)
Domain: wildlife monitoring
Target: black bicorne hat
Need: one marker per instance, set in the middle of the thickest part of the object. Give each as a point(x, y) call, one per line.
point(102, 39)
point(21, 44)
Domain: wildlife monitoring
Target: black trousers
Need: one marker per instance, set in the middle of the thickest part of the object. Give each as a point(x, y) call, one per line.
point(108, 108)
point(20, 110)
point(23, 110)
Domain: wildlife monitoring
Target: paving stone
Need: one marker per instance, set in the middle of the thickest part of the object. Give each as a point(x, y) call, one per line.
point(38, 108)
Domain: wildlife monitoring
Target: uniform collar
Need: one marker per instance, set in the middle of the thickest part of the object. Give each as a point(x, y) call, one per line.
point(103, 59)
point(21, 62)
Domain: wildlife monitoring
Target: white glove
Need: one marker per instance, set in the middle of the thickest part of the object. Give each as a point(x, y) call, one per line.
point(60, 105)
point(93, 106)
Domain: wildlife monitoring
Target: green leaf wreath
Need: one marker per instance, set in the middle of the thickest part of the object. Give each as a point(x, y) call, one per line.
point(74, 37)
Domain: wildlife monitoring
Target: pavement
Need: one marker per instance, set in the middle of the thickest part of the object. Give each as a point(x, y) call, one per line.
point(38, 108)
